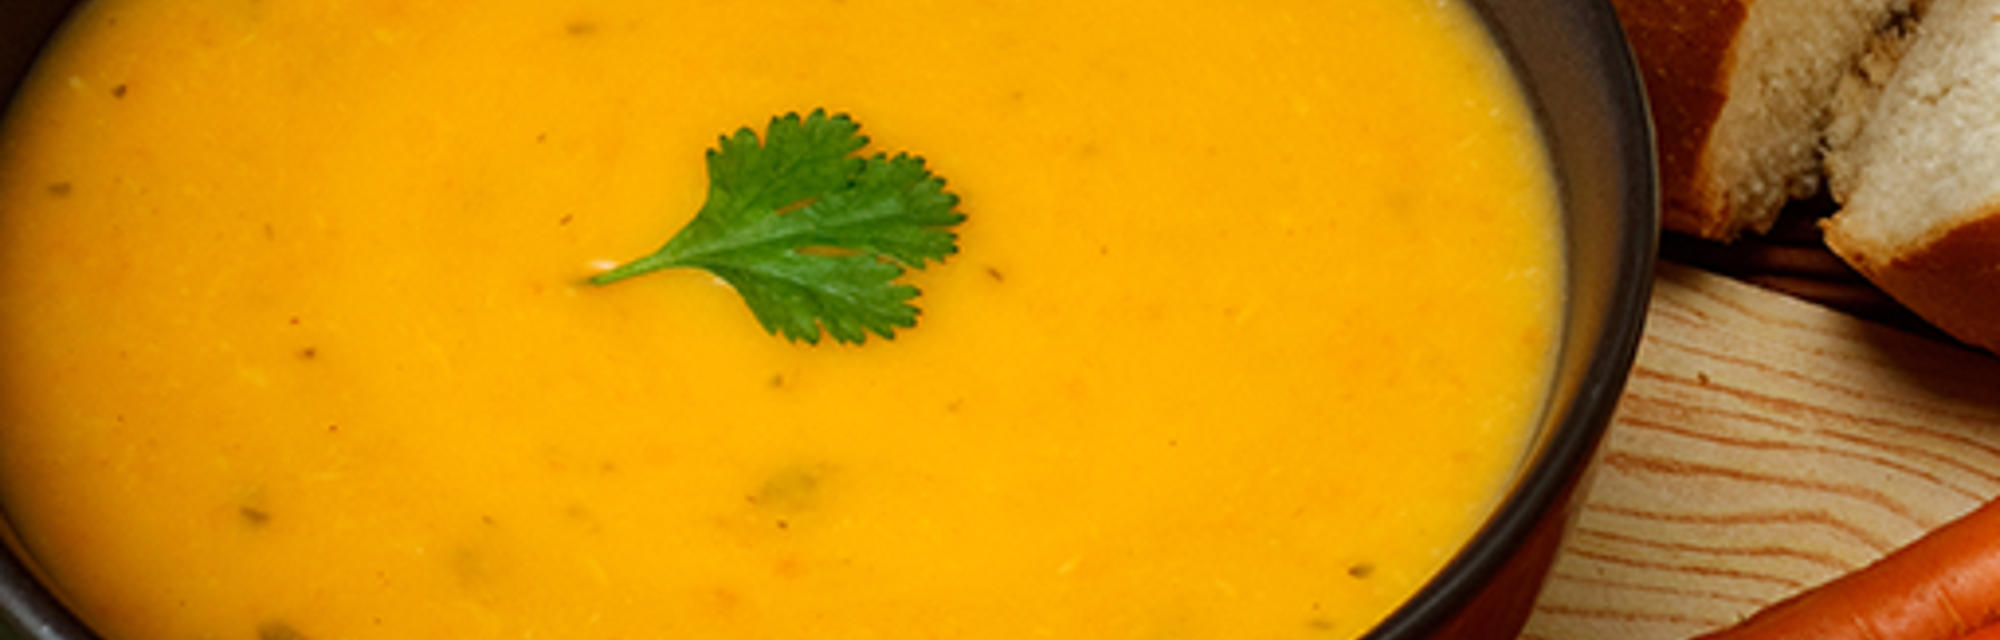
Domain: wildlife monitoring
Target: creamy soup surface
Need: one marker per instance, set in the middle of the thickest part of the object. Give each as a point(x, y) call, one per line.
point(1252, 312)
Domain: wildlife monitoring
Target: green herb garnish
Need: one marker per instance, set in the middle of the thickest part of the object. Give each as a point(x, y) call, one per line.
point(812, 235)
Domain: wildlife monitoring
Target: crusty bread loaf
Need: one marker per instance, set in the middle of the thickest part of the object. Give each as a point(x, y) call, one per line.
point(1919, 179)
point(1741, 92)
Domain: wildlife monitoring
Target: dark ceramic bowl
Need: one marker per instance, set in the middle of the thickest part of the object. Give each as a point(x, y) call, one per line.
point(1571, 58)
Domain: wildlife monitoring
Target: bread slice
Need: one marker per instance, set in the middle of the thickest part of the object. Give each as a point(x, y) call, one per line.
point(1919, 182)
point(1742, 92)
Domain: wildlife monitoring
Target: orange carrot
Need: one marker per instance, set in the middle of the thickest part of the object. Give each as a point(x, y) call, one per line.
point(1991, 632)
point(1941, 587)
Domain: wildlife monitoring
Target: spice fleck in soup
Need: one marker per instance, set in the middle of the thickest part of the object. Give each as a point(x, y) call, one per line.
point(1250, 316)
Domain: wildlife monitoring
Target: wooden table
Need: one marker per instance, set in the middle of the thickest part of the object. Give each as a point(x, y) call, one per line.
point(1765, 444)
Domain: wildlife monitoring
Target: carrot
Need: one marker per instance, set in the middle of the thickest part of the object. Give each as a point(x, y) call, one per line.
point(1991, 632)
point(1941, 587)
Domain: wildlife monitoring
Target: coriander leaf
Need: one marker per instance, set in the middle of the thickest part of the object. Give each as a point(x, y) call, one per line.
point(812, 235)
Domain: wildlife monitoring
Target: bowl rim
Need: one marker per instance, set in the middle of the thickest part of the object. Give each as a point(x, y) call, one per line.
point(27, 608)
point(1589, 42)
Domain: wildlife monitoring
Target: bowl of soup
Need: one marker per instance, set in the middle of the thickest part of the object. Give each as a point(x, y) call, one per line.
point(1289, 319)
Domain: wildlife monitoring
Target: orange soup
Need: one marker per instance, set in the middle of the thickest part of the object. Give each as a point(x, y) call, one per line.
point(1251, 317)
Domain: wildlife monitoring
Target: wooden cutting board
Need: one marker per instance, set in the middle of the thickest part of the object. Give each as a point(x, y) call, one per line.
point(1765, 445)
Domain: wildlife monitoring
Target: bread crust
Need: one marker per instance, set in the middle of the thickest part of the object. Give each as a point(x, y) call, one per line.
point(1685, 53)
point(1952, 280)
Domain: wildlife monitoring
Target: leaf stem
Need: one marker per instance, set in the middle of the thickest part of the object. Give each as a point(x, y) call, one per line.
point(655, 262)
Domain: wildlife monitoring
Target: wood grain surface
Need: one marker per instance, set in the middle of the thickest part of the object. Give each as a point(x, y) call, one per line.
point(1764, 445)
